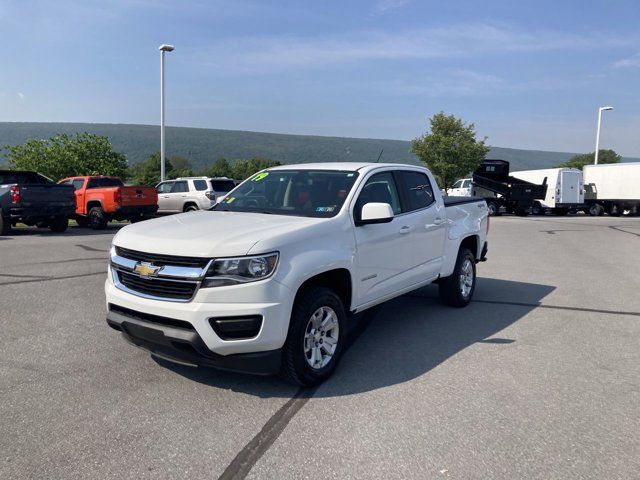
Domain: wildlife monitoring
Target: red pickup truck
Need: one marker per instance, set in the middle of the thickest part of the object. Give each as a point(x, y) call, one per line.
point(100, 199)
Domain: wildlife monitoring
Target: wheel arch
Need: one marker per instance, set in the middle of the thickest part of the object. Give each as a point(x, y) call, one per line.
point(337, 279)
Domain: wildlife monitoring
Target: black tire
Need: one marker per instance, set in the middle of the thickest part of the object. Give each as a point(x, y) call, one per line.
point(82, 221)
point(596, 210)
point(493, 208)
point(137, 219)
point(5, 225)
point(59, 224)
point(42, 224)
point(615, 210)
point(537, 209)
point(191, 208)
point(295, 362)
point(97, 219)
point(450, 288)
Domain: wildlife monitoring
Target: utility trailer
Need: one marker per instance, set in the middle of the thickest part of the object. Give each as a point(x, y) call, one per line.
point(491, 181)
point(565, 189)
point(612, 188)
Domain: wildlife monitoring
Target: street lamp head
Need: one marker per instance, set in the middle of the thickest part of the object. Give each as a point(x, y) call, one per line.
point(166, 48)
point(606, 108)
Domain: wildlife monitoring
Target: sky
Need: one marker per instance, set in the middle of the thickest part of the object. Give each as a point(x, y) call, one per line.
point(527, 74)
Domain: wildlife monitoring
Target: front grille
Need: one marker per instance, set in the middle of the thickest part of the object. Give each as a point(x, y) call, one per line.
point(168, 322)
point(158, 287)
point(162, 260)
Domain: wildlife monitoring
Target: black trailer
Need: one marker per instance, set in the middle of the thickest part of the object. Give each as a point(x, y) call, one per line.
point(492, 182)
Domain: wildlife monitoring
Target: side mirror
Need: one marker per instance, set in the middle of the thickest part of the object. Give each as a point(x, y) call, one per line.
point(374, 212)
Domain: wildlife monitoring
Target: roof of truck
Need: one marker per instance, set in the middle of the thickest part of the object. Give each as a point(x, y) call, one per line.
point(347, 166)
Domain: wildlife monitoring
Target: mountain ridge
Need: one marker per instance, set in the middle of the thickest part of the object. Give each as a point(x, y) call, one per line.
point(202, 146)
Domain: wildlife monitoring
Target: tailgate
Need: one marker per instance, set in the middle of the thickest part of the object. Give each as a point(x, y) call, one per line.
point(48, 195)
point(138, 196)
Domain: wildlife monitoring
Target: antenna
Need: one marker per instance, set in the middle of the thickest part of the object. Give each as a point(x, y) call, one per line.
point(380, 155)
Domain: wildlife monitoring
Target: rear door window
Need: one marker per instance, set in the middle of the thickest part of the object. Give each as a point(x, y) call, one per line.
point(180, 187)
point(77, 183)
point(200, 184)
point(416, 190)
point(223, 185)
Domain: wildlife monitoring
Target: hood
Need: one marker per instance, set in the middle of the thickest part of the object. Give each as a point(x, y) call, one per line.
point(207, 233)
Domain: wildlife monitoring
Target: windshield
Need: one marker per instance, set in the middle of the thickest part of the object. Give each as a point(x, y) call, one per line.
point(305, 193)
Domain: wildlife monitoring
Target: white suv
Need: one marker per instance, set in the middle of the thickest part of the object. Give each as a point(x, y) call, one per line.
point(188, 194)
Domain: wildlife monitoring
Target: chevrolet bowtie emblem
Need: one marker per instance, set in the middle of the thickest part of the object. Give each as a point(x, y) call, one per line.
point(145, 269)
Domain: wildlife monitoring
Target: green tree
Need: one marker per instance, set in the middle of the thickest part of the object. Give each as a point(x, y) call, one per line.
point(220, 168)
point(64, 156)
point(245, 168)
point(180, 167)
point(148, 171)
point(579, 161)
point(450, 149)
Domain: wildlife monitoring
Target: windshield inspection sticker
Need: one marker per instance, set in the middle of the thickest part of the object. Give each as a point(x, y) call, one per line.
point(229, 200)
point(325, 209)
point(260, 176)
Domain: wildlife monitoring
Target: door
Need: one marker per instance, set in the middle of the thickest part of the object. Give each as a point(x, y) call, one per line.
point(78, 183)
point(570, 187)
point(383, 251)
point(427, 220)
point(178, 195)
point(164, 196)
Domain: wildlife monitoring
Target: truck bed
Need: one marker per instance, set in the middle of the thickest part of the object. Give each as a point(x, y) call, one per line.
point(450, 201)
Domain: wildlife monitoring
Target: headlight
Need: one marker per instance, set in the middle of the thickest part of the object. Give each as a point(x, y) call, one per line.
point(232, 271)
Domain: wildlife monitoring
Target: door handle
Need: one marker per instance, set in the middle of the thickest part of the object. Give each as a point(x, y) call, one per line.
point(438, 221)
point(405, 229)
point(166, 196)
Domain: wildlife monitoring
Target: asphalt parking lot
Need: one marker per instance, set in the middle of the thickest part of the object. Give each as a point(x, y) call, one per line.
point(538, 378)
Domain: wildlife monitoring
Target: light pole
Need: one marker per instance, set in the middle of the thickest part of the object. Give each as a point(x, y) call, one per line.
point(600, 110)
point(163, 48)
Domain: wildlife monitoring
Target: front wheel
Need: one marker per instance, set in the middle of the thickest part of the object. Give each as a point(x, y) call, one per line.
point(457, 289)
point(97, 218)
point(316, 336)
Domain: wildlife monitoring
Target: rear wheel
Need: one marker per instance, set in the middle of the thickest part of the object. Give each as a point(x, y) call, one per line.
point(97, 219)
point(596, 210)
point(494, 208)
point(59, 224)
point(5, 225)
point(457, 289)
point(537, 209)
point(82, 221)
point(191, 208)
point(316, 336)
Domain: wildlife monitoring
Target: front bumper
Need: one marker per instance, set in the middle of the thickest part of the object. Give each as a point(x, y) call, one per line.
point(182, 344)
point(256, 299)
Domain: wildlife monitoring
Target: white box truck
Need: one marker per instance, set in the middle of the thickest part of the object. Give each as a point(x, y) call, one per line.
point(612, 188)
point(565, 189)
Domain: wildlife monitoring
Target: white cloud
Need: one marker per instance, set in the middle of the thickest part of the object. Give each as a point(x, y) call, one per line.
point(631, 62)
point(21, 95)
point(383, 6)
point(278, 52)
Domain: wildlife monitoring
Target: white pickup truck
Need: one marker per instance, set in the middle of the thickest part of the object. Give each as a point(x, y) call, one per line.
point(268, 280)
